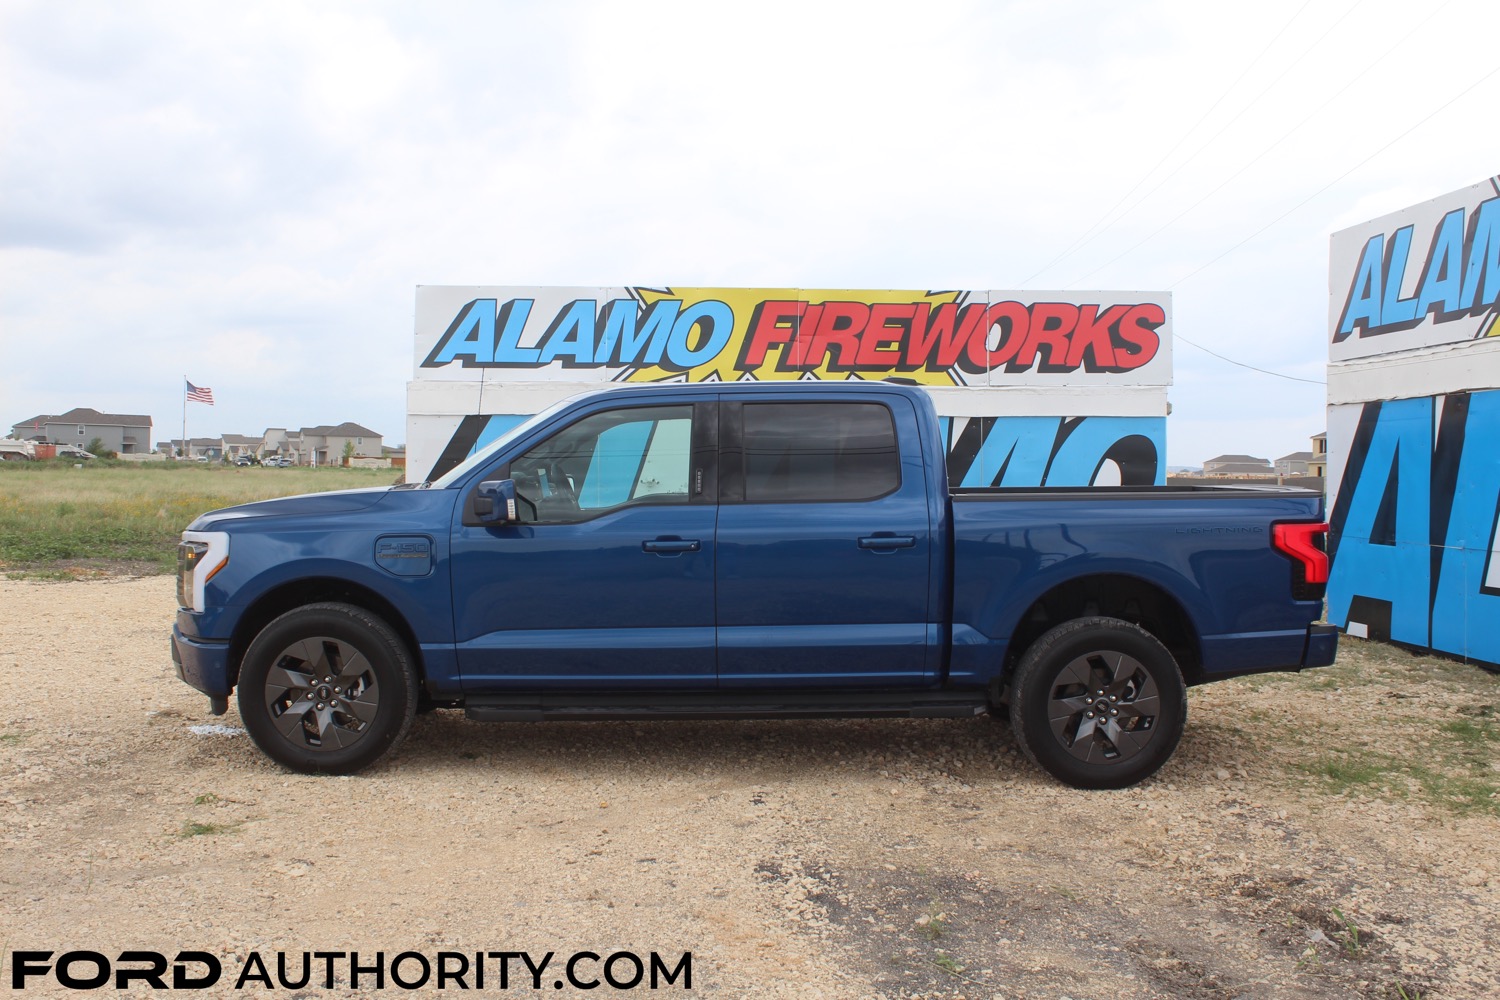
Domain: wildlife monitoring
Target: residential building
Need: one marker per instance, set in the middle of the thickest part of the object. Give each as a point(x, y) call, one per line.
point(125, 433)
point(324, 444)
point(1237, 466)
point(232, 446)
point(1295, 464)
point(204, 447)
point(1318, 464)
point(275, 444)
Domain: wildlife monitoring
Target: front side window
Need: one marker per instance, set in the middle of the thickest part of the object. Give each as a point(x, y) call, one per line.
point(819, 452)
point(638, 455)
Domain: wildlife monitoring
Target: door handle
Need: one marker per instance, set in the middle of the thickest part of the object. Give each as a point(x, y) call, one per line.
point(671, 545)
point(884, 541)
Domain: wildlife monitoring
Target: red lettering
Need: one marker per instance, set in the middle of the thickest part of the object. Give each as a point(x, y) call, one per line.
point(889, 323)
point(839, 326)
point(1014, 321)
point(773, 322)
point(1051, 322)
point(795, 356)
point(937, 347)
point(1092, 335)
point(1138, 330)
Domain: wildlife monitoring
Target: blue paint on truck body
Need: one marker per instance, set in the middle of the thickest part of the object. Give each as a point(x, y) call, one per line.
point(734, 577)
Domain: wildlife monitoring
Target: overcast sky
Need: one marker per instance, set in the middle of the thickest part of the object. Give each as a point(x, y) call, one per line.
point(248, 194)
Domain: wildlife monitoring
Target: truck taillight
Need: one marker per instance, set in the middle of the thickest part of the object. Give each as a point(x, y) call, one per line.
point(1304, 544)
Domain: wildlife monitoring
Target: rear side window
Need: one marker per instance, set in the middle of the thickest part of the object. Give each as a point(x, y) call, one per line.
point(819, 451)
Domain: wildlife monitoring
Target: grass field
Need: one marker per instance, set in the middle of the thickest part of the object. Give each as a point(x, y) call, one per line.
point(59, 521)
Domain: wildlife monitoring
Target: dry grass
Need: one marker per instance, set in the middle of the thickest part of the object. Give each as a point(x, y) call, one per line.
point(59, 521)
point(1382, 724)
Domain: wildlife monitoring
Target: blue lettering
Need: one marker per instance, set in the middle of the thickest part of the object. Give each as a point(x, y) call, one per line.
point(716, 321)
point(1374, 304)
point(1018, 447)
point(1463, 614)
point(508, 350)
point(623, 341)
point(1363, 305)
point(1483, 269)
point(1395, 569)
point(470, 338)
point(1393, 308)
point(1441, 282)
point(571, 335)
point(1133, 444)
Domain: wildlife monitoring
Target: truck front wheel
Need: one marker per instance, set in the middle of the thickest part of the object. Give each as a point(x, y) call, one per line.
point(1098, 703)
point(327, 689)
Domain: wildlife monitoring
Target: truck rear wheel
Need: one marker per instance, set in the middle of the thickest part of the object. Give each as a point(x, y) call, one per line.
point(327, 689)
point(1098, 703)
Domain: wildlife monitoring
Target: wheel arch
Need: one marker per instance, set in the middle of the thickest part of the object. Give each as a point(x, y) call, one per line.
point(1111, 595)
point(316, 590)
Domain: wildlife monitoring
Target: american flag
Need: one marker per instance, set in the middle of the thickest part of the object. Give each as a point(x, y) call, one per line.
point(199, 394)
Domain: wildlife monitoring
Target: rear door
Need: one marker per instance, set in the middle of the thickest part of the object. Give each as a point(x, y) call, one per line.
point(824, 546)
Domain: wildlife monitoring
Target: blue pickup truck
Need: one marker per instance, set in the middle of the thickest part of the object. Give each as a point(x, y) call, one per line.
point(734, 551)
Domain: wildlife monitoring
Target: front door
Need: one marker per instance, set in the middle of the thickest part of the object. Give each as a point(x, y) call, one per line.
point(607, 581)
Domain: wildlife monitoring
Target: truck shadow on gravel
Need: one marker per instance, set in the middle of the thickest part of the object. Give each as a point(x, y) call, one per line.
point(797, 748)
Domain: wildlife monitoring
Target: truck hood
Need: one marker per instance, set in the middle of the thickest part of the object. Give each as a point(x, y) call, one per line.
point(336, 502)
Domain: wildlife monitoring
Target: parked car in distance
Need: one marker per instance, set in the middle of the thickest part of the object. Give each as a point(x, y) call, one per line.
point(72, 451)
point(244, 460)
point(16, 450)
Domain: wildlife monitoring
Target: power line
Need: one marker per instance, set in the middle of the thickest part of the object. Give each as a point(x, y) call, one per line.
point(1428, 117)
point(1436, 111)
point(1096, 229)
point(1263, 371)
point(1263, 153)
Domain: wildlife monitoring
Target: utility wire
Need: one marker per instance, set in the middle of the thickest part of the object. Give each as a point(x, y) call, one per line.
point(1096, 229)
point(1436, 111)
point(1224, 128)
point(1263, 371)
point(1268, 149)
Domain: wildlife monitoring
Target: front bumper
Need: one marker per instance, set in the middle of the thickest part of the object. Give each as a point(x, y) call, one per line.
point(203, 665)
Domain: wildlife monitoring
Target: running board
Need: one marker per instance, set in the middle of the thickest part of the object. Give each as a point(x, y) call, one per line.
point(556, 707)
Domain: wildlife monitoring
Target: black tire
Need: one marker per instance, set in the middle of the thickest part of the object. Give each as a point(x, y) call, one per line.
point(1090, 671)
point(327, 689)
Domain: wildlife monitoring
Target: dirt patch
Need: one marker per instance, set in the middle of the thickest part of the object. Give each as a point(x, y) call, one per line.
point(1322, 835)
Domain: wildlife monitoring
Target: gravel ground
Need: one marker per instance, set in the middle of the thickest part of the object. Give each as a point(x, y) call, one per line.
point(792, 859)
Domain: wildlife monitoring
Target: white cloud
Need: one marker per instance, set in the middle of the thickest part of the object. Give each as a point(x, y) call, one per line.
point(249, 195)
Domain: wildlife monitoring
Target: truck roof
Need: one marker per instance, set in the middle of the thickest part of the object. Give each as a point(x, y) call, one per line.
point(761, 388)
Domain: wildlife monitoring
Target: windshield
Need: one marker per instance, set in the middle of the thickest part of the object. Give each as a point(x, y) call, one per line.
point(484, 454)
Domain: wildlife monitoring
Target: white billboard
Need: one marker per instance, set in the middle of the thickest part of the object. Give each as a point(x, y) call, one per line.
point(1422, 277)
point(1038, 387)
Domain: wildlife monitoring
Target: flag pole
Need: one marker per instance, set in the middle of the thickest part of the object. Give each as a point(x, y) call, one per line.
point(184, 417)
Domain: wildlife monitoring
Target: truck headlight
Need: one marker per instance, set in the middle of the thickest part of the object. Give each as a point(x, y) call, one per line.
point(200, 555)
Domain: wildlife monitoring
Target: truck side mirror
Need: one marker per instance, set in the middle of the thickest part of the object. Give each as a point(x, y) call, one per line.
point(495, 502)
